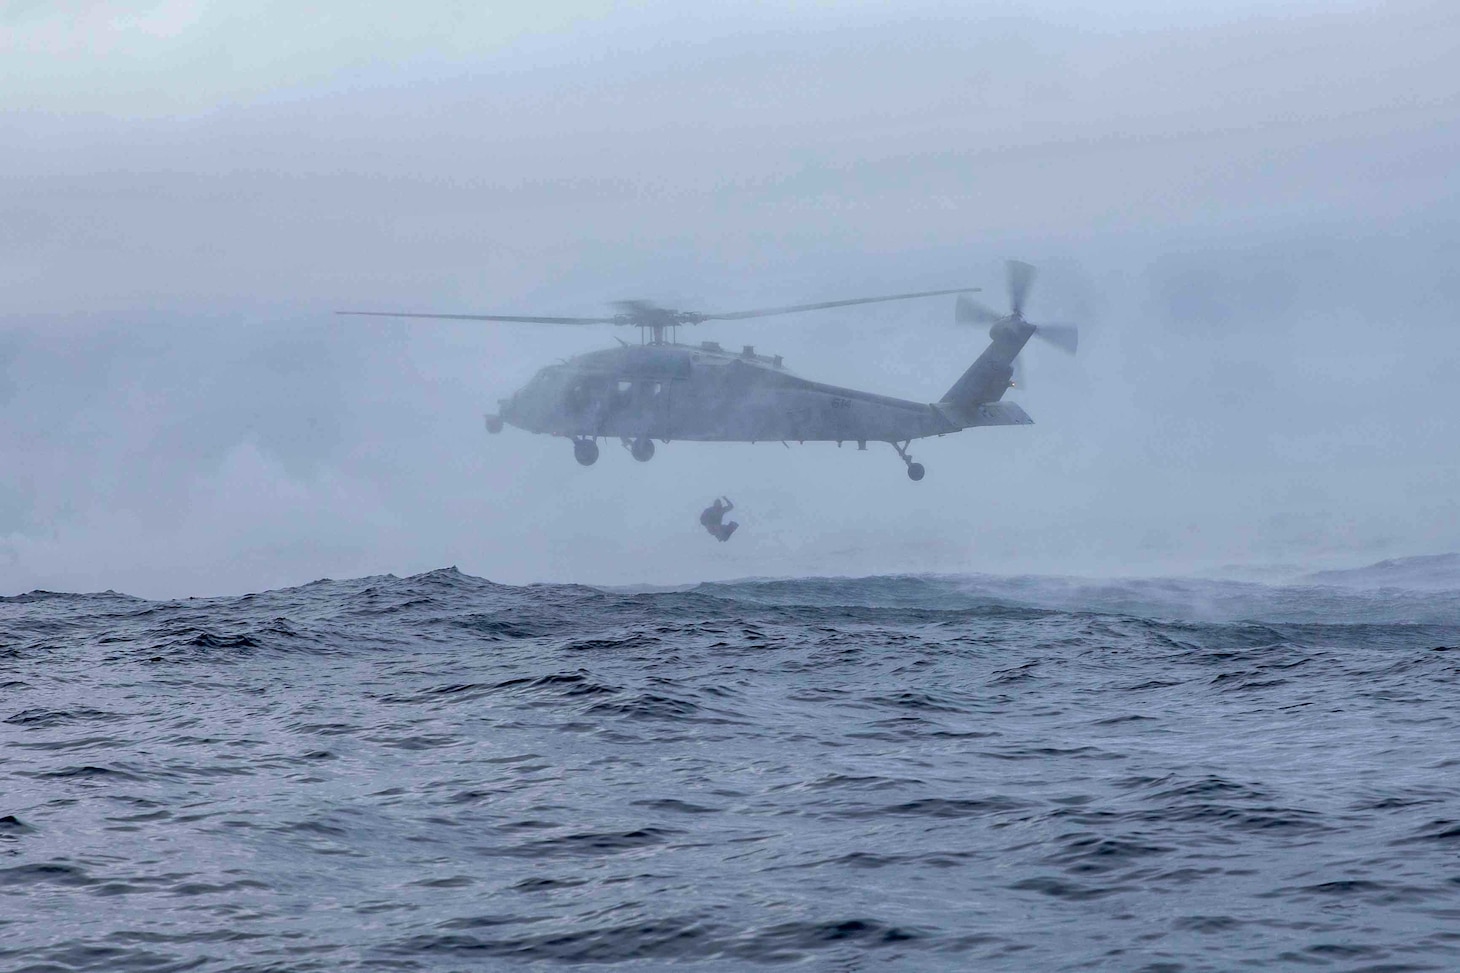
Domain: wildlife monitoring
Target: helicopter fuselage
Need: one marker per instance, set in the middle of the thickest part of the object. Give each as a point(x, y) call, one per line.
point(688, 392)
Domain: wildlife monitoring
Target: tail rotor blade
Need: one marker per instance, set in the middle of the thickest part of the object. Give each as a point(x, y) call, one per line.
point(969, 311)
point(1065, 337)
point(1021, 275)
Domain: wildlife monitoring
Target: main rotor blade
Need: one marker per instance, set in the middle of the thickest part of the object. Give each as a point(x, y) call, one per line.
point(766, 312)
point(969, 311)
point(480, 317)
point(1021, 275)
point(1065, 337)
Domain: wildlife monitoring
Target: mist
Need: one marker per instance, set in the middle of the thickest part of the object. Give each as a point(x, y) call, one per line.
point(1252, 216)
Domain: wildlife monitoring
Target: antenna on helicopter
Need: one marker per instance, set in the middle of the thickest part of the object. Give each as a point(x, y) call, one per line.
point(654, 321)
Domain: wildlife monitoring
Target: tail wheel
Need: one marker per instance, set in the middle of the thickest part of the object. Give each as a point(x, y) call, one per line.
point(914, 470)
point(585, 451)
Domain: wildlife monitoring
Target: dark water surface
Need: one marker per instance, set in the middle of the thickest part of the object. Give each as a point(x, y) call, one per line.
point(440, 773)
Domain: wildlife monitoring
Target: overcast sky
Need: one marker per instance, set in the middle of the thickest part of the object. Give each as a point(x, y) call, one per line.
point(1253, 215)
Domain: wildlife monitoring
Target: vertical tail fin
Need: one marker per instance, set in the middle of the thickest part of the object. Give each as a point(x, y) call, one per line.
point(987, 379)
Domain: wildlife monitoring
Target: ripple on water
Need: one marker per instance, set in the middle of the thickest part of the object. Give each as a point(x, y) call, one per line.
point(441, 773)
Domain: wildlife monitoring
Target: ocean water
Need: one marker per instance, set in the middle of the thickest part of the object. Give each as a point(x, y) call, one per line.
point(921, 773)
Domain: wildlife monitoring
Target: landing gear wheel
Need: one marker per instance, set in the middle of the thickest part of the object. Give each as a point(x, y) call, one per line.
point(494, 424)
point(585, 451)
point(643, 449)
point(915, 471)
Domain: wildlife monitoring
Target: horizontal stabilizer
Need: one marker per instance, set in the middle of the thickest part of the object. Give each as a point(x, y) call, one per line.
point(985, 414)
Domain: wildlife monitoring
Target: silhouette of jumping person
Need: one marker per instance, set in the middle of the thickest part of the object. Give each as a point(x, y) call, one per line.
point(712, 516)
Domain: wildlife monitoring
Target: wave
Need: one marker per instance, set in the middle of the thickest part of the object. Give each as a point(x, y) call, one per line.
point(458, 604)
point(917, 771)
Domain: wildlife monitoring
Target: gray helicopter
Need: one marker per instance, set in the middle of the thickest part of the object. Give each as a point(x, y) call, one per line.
point(660, 389)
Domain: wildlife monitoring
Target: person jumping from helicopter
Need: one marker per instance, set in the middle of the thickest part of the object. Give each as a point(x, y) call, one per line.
point(712, 517)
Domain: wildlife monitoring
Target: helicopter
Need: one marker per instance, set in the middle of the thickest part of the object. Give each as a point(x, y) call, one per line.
point(661, 389)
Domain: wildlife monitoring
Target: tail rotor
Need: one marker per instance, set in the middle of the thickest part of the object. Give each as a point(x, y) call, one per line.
point(1065, 337)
